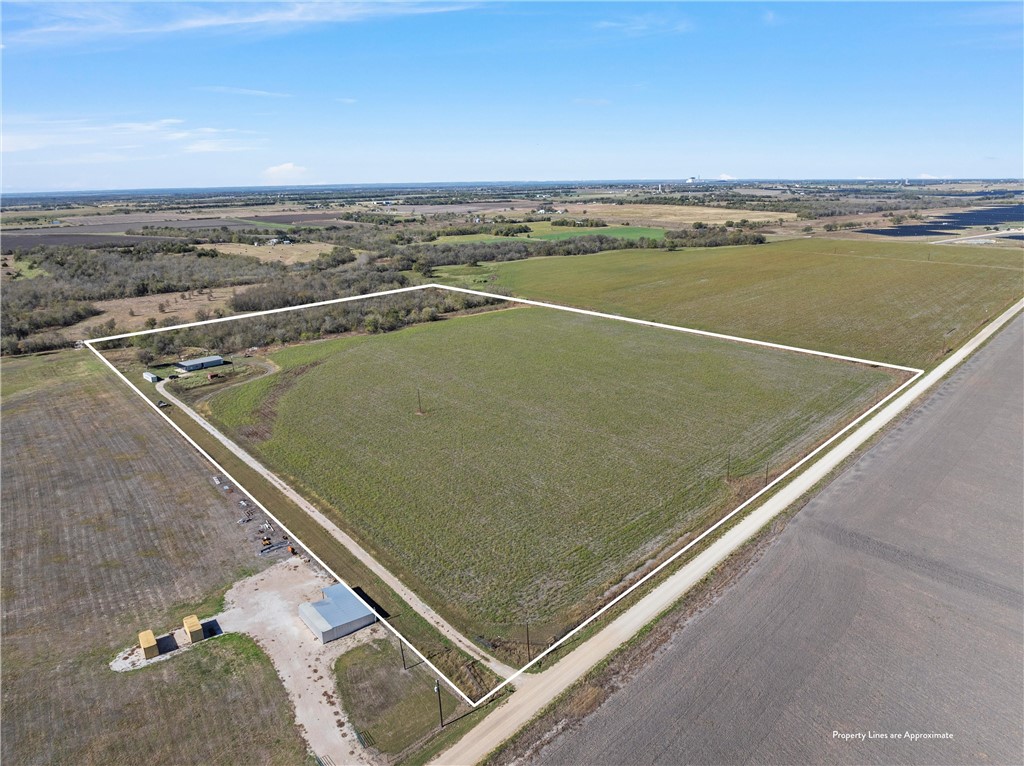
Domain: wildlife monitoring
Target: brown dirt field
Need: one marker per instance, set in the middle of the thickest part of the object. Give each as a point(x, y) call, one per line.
point(16, 216)
point(179, 309)
point(299, 252)
point(14, 240)
point(669, 216)
point(111, 525)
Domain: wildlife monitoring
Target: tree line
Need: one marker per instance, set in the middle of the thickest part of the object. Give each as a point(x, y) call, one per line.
point(583, 223)
point(77, 276)
point(712, 236)
point(373, 315)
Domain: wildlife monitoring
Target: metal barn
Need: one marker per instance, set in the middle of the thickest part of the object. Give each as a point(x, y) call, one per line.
point(337, 615)
point(190, 365)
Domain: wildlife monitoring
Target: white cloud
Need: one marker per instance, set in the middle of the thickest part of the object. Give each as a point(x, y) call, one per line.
point(927, 176)
point(345, 100)
point(63, 22)
point(27, 142)
point(769, 19)
point(154, 126)
point(207, 145)
point(85, 138)
point(242, 91)
point(202, 133)
point(726, 177)
point(31, 134)
point(648, 24)
point(285, 172)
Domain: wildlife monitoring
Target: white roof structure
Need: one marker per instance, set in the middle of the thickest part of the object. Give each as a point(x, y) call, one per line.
point(337, 614)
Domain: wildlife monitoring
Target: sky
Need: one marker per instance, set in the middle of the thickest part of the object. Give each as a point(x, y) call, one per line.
point(165, 95)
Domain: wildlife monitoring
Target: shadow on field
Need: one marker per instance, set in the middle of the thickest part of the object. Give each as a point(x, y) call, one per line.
point(212, 628)
point(166, 644)
point(481, 708)
point(382, 613)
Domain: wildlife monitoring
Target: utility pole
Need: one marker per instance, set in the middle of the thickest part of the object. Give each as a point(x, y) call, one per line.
point(528, 656)
point(440, 710)
point(401, 646)
point(766, 474)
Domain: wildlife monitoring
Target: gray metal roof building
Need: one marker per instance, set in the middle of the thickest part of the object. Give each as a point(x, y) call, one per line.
point(337, 615)
point(189, 365)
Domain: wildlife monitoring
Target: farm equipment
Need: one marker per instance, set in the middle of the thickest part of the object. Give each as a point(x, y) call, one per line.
point(273, 547)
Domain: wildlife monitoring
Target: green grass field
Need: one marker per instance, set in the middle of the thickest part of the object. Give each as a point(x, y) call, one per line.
point(556, 455)
point(467, 238)
point(892, 302)
point(26, 270)
point(392, 708)
point(544, 230)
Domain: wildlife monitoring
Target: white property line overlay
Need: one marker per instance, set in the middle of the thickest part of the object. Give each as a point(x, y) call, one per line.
point(654, 572)
point(280, 524)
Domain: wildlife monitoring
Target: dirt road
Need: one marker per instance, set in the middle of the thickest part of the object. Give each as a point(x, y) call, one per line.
point(265, 607)
point(986, 235)
point(536, 691)
point(884, 624)
point(353, 547)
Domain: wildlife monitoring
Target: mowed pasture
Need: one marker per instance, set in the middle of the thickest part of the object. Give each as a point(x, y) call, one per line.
point(898, 303)
point(297, 252)
point(111, 526)
point(668, 216)
point(546, 231)
point(392, 707)
point(555, 454)
point(130, 314)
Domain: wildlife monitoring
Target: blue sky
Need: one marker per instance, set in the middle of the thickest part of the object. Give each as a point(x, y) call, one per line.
point(142, 95)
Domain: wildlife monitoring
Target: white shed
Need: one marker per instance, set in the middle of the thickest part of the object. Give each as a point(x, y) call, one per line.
point(337, 615)
point(152, 377)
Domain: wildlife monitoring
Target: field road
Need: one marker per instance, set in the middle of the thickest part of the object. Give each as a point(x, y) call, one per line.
point(986, 235)
point(538, 690)
point(353, 547)
point(891, 604)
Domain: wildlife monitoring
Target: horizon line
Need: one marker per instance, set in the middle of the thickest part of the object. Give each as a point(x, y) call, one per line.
point(549, 182)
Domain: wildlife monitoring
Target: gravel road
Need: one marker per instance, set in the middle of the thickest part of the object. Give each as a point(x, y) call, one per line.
point(892, 604)
point(414, 601)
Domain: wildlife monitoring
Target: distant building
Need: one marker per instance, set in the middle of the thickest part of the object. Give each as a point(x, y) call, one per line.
point(190, 365)
point(152, 377)
point(337, 615)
